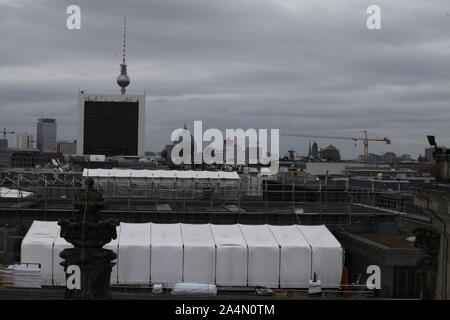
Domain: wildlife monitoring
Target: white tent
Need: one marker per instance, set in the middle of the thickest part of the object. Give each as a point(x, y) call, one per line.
point(231, 255)
point(165, 184)
point(327, 255)
point(169, 174)
point(167, 254)
point(295, 257)
point(59, 277)
point(134, 253)
point(199, 253)
point(228, 255)
point(113, 245)
point(263, 256)
point(37, 247)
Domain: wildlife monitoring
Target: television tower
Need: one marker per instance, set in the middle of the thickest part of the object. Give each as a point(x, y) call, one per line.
point(123, 80)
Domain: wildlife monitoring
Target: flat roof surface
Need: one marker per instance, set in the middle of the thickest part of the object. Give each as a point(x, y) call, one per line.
point(388, 241)
point(406, 229)
point(167, 205)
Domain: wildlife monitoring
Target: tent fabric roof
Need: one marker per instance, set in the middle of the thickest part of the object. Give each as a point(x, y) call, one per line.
point(42, 232)
point(227, 235)
point(197, 235)
point(319, 236)
point(135, 233)
point(166, 234)
point(155, 174)
point(258, 235)
point(289, 236)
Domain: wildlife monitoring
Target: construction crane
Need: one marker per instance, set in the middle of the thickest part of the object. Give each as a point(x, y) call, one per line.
point(366, 140)
point(6, 132)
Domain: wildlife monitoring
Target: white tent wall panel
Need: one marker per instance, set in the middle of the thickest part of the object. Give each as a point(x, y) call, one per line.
point(295, 257)
point(164, 272)
point(37, 247)
point(263, 256)
point(134, 253)
point(59, 276)
point(113, 245)
point(199, 260)
point(199, 264)
point(327, 263)
point(231, 266)
point(231, 255)
point(263, 266)
point(327, 255)
point(166, 254)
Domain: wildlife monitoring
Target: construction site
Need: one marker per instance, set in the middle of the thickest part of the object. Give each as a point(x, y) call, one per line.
point(353, 214)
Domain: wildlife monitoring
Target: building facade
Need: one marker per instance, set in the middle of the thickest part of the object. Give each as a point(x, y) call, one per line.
point(31, 158)
point(24, 140)
point(3, 144)
point(111, 125)
point(66, 147)
point(429, 154)
point(46, 135)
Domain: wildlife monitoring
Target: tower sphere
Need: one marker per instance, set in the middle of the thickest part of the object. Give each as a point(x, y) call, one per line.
point(123, 80)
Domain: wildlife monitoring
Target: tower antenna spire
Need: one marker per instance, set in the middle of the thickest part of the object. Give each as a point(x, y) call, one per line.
point(123, 80)
point(124, 39)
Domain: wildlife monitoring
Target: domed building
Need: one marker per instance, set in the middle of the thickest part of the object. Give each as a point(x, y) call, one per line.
point(183, 139)
point(330, 153)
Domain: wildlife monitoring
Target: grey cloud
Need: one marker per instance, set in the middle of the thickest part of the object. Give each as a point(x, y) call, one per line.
point(301, 66)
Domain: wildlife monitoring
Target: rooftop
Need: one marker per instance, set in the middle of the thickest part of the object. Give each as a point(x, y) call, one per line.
point(400, 241)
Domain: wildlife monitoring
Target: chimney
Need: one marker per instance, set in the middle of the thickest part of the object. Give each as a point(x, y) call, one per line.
point(442, 157)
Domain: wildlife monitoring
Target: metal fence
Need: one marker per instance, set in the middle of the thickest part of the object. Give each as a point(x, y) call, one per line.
point(265, 195)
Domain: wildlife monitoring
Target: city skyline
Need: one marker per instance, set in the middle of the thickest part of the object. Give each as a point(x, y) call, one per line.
point(303, 68)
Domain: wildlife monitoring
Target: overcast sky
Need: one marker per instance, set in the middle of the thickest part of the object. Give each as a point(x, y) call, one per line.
point(303, 66)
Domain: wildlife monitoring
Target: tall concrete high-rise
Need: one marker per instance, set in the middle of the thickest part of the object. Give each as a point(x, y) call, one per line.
point(46, 135)
point(111, 125)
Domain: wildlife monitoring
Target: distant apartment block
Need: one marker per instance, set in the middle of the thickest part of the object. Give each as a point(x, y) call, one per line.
point(66, 147)
point(24, 140)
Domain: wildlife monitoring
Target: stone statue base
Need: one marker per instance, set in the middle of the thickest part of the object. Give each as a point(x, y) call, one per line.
point(95, 266)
